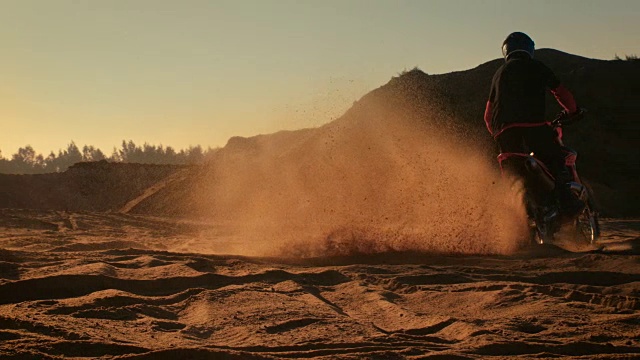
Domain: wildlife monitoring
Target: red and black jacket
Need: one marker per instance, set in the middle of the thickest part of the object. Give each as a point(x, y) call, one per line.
point(517, 97)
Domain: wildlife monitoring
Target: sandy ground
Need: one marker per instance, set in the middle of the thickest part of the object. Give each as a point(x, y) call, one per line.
point(128, 287)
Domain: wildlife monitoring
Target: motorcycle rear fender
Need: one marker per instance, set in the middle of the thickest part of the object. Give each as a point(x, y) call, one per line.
point(537, 169)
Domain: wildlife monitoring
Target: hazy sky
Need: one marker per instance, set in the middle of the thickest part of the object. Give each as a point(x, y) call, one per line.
point(181, 72)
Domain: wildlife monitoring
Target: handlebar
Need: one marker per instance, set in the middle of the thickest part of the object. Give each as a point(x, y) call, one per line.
point(563, 118)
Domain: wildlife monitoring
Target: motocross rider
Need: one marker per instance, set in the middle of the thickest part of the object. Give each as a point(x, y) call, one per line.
point(515, 112)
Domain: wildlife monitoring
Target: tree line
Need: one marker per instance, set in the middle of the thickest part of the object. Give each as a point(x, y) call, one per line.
point(26, 161)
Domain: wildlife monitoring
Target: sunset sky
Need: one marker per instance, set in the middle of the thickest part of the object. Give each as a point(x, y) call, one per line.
point(193, 72)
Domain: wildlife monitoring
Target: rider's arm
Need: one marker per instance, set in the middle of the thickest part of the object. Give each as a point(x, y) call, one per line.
point(488, 114)
point(565, 99)
point(488, 110)
point(561, 93)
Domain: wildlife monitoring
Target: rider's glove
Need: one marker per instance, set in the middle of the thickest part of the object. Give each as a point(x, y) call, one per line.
point(574, 117)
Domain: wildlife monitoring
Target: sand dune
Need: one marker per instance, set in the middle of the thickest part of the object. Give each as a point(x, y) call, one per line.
point(113, 285)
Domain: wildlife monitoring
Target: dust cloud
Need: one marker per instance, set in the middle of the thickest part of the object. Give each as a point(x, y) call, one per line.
point(371, 182)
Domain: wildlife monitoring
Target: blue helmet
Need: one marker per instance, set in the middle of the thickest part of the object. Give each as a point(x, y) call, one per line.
point(517, 42)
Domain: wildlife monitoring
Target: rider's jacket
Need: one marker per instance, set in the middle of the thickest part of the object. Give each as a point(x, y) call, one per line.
point(517, 96)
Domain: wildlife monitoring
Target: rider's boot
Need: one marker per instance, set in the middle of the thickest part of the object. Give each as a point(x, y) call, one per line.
point(548, 218)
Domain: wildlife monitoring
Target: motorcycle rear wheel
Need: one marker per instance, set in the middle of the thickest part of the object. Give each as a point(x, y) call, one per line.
point(587, 229)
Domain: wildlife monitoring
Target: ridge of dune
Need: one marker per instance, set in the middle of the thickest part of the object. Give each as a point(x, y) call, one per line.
point(179, 175)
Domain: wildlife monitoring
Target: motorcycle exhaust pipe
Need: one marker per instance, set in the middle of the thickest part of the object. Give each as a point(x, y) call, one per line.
point(534, 167)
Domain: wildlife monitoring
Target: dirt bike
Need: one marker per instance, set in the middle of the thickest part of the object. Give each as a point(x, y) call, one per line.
point(544, 215)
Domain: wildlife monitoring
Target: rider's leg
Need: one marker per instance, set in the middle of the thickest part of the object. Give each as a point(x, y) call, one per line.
point(546, 149)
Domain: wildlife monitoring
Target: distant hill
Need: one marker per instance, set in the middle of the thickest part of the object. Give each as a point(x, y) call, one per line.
point(89, 186)
point(366, 137)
